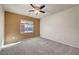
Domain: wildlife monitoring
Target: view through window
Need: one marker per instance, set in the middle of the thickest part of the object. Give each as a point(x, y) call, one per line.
point(26, 26)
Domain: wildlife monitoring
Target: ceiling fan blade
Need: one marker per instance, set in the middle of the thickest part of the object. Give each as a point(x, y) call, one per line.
point(42, 6)
point(32, 5)
point(42, 11)
point(31, 10)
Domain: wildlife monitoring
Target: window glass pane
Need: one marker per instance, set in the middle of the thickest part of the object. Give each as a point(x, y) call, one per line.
point(30, 27)
point(26, 26)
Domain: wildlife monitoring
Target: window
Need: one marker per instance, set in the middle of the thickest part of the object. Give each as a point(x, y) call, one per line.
point(26, 26)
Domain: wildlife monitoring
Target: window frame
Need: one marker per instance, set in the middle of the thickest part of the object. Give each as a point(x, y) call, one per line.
point(23, 30)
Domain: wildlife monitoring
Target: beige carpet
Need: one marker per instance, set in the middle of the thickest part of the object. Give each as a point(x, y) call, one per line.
point(40, 46)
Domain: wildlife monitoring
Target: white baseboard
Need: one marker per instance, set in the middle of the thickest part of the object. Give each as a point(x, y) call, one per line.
point(9, 45)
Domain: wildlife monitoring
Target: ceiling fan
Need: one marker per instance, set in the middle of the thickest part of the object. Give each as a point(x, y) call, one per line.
point(37, 8)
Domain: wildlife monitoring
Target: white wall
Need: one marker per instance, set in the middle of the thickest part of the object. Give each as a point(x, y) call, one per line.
point(1, 26)
point(62, 27)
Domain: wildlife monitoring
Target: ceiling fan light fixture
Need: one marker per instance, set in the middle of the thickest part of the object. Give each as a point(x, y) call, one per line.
point(36, 12)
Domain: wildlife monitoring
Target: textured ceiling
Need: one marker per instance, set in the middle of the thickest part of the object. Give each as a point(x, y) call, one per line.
point(24, 8)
